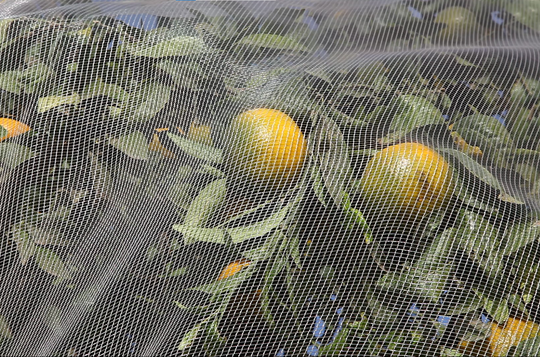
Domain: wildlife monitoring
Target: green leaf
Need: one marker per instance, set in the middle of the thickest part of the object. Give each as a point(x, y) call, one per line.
point(4, 26)
point(498, 309)
point(133, 145)
point(188, 75)
point(276, 42)
point(207, 202)
point(48, 103)
point(411, 112)
point(356, 219)
point(272, 271)
point(528, 347)
point(13, 154)
point(176, 46)
point(428, 276)
point(473, 167)
point(334, 164)
point(480, 241)
point(518, 302)
point(10, 82)
point(198, 234)
point(146, 102)
point(294, 251)
point(381, 314)
point(318, 185)
point(51, 263)
point(213, 342)
point(200, 211)
point(101, 178)
point(34, 76)
point(519, 235)
point(240, 234)
point(190, 337)
point(267, 250)
point(526, 12)
point(211, 170)
point(489, 135)
point(5, 331)
point(448, 352)
point(336, 347)
point(25, 245)
point(464, 62)
point(198, 150)
point(100, 88)
point(47, 236)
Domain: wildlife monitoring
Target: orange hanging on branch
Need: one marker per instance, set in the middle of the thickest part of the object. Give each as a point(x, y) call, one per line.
point(13, 128)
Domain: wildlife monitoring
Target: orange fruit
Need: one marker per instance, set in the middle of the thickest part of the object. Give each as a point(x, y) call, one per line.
point(157, 146)
point(13, 128)
point(408, 178)
point(267, 147)
point(501, 338)
point(200, 133)
point(233, 268)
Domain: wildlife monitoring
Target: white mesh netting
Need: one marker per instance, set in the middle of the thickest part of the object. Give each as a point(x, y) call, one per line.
point(270, 178)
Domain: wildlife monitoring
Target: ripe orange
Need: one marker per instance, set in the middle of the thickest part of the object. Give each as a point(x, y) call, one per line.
point(155, 145)
point(200, 133)
point(407, 178)
point(233, 268)
point(13, 128)
point(267, 147)
point(501, 338)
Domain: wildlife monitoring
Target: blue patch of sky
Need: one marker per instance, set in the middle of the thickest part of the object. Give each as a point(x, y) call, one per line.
point(312, 350)
point(319, 329)
point(496, 18)
point(415, 12)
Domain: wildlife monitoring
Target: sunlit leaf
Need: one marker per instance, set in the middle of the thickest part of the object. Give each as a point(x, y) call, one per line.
point(411, 112)
point(198, 234)
point(240, 234)
point(190, 337)
point(48, 103)
point(198, 150)
point(100, 88)
point(25, 244)
point(133, 145)
point(146, 102)
point(276, 42)
point(176, 46)
point(480, 241)
point(428, 276)
point(47, 260)
point(207, 202)
point(519, 235)
point(5, 330)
